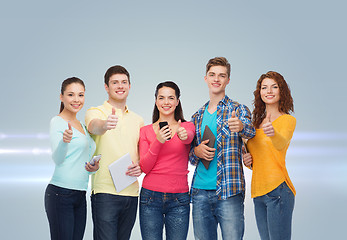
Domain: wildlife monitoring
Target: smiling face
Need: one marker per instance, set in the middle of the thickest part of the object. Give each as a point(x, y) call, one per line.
point(270, 92)
point(217, 79)
point(73, 97)
point(166, 101)
point(118, 87)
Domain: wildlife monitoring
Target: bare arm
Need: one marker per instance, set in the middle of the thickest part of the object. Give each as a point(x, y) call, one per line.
point(99, 127)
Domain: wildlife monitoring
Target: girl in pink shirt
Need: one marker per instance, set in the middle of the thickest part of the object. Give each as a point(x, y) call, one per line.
point(164, 150)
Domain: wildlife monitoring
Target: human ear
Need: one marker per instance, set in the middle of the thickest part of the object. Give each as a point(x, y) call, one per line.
point(106, 88)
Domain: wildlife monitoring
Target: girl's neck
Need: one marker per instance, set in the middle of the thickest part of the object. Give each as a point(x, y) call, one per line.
point(170, 119)
point(273, 111)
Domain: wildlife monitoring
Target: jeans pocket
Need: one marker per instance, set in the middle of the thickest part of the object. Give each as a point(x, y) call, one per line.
point(274, 194)
point(64, 192)
point(53, 190)
point(49, 193)
point(194, 191)
point(183, 199)
point(145, 200)
point(286, 188)
point(145, 196)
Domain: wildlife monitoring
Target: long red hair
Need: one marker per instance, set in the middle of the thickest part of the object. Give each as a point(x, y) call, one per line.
point(286, 101)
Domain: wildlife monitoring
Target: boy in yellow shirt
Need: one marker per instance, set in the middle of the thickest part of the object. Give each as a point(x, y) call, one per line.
point(115, 130)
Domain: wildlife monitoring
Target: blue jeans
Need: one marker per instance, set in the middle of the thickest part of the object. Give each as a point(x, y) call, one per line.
point(208, 211)
point(158, 209)
point(273, 213)
point(66, 211)
point(113, 216)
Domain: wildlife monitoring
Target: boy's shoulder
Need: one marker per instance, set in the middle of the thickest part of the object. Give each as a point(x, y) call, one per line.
point(135, 115)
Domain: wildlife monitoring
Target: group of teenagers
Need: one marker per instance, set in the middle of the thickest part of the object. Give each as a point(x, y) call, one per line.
point(259, 140)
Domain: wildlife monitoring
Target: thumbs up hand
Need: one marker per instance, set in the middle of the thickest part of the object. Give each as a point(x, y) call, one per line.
point(67, 135)
point(111, 121)
point(235, 124)
point(181, 132)
point(267, 126)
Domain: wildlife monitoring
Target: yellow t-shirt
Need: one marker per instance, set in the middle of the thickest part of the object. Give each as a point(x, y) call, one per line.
point(269, 154)
point(114, 144)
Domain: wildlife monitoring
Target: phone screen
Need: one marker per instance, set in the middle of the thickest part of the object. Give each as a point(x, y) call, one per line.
point(162, 124)
point(95, 159)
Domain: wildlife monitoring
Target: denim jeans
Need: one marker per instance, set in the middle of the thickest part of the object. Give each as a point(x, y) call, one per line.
point(208, 212)
point(158, 209)
point(66, 210)
point(113, 216)
point(273, 213)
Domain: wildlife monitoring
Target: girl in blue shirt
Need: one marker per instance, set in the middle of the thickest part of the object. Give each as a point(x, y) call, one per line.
point(72, 148)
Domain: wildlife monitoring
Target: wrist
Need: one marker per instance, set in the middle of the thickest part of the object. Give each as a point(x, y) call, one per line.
point(104, 126)
point(195, 152)
point(160, 140)
point(241, 125)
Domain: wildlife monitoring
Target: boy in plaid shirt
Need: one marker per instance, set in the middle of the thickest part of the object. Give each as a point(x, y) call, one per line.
point(218, 191)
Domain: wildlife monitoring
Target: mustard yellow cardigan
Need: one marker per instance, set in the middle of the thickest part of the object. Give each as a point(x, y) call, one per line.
point(269, 154)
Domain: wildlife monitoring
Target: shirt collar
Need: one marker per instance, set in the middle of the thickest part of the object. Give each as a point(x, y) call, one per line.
point(109, 107)
point(225, 100)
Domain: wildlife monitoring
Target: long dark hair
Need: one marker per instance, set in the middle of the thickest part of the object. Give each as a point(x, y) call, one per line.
point(178, 110)
point(66, 83)
point(286, 101)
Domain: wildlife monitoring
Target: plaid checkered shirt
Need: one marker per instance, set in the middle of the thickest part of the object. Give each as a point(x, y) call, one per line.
point(230, 177)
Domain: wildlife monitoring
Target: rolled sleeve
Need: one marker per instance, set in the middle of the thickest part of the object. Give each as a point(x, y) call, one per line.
point(248, 130)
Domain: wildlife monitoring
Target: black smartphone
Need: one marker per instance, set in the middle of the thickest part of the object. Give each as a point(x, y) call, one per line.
point(163, 124)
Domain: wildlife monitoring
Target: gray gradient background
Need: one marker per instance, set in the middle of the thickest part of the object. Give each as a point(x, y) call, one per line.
point(44, 42)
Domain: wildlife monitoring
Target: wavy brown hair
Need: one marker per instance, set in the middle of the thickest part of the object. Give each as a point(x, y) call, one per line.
point(286, 101)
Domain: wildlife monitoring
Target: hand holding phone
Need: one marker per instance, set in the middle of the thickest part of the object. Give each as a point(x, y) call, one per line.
point(163, 124)
point(96, 158)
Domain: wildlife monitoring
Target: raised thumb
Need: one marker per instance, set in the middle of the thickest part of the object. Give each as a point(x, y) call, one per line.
point(233, 114)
